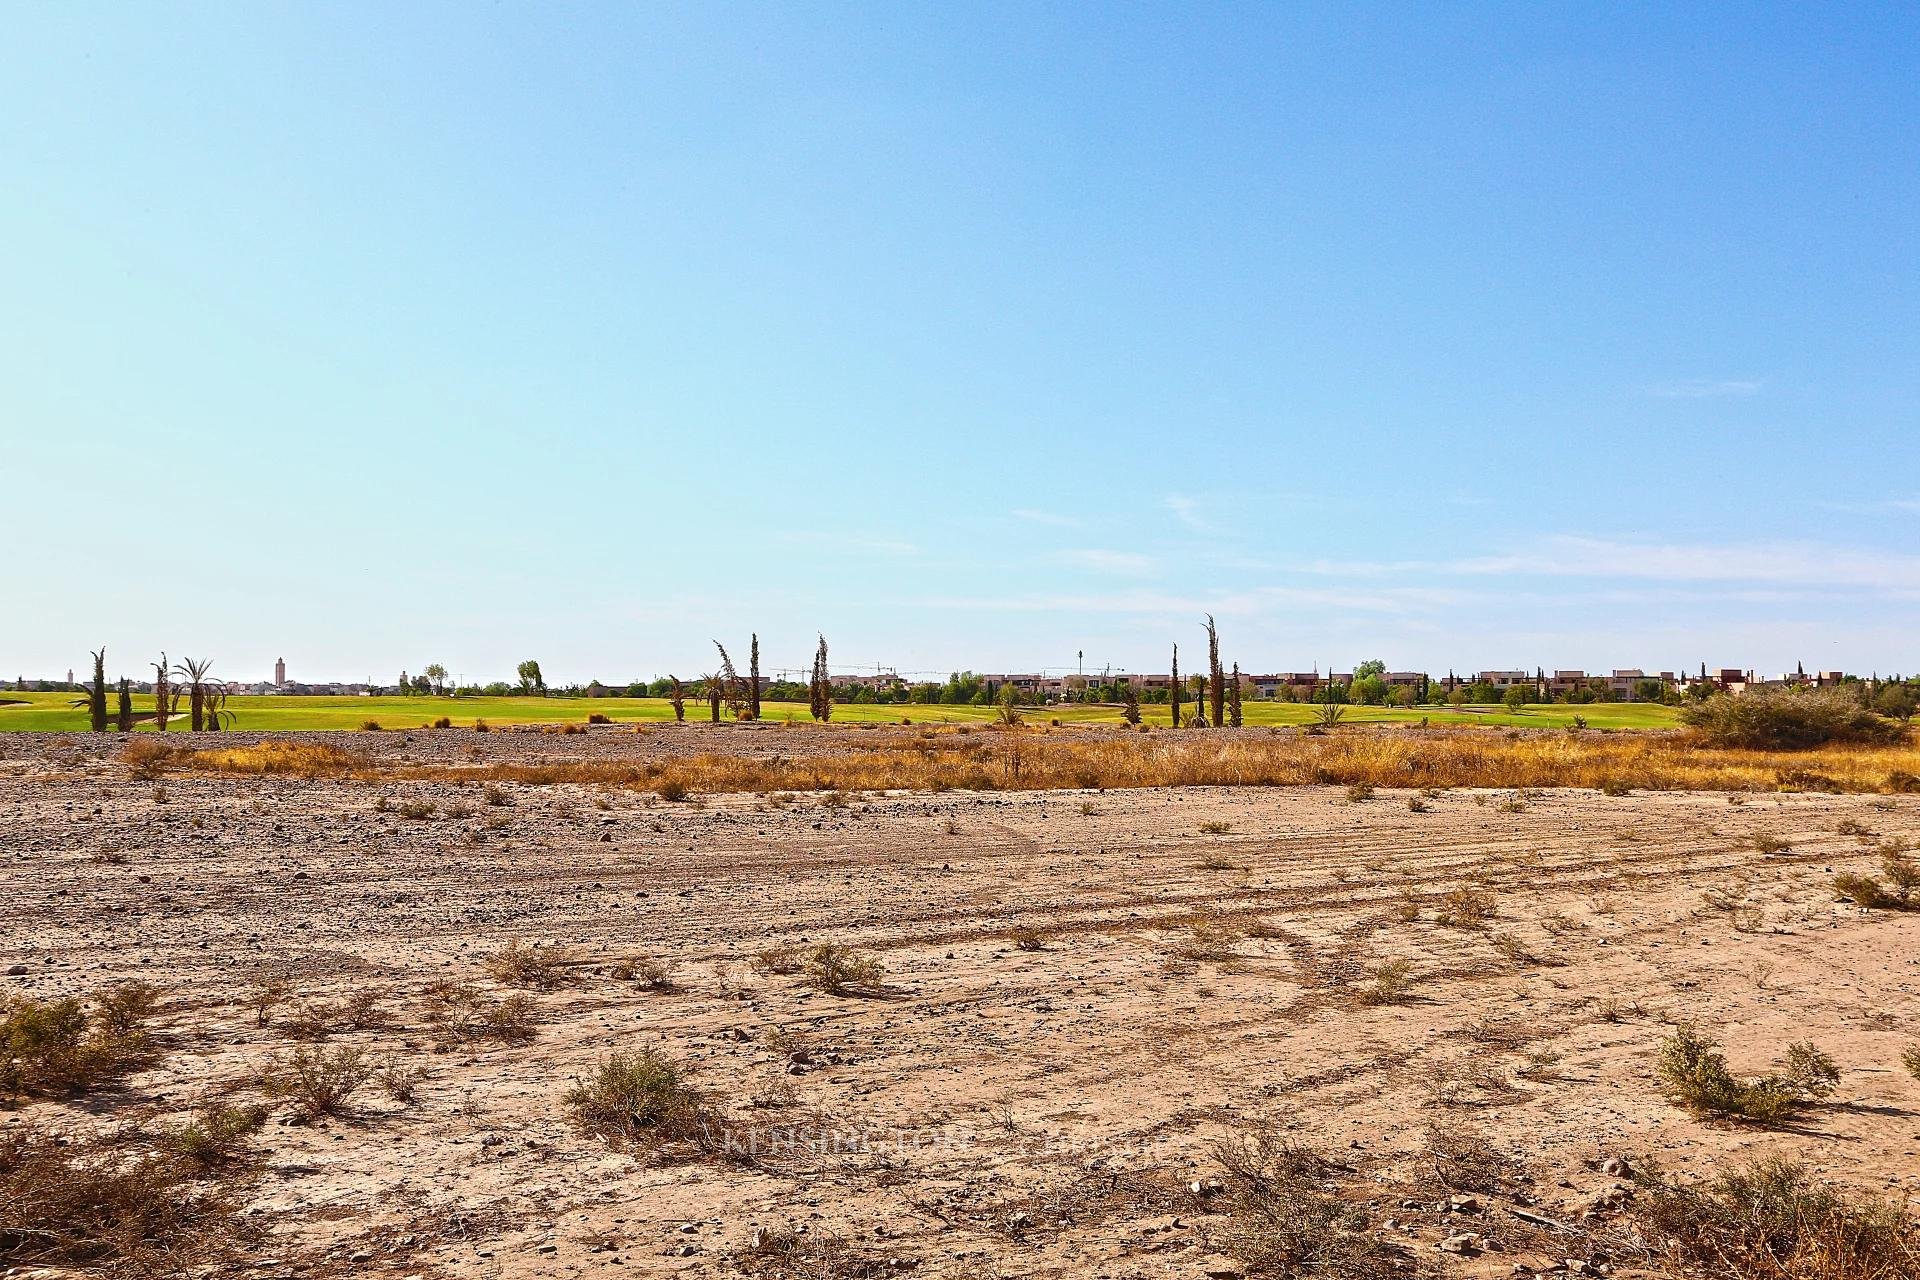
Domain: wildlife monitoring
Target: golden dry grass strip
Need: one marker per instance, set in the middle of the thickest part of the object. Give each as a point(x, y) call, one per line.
point(1039, 761)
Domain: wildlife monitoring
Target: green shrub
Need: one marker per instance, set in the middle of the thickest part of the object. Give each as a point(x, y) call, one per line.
point(1695, 1073)
point(836, 969)
point(641, 1096)
point(1788, 720)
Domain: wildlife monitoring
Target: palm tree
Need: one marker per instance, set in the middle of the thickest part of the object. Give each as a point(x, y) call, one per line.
point(196, 673)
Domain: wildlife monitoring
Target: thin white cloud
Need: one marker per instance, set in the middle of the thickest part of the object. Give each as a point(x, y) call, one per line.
point(1101, 560)
point(1704, 389)
point(1773, 563)
point(1034, 516)
point(1256, 602)
point(1186, 510)
point(855, 542)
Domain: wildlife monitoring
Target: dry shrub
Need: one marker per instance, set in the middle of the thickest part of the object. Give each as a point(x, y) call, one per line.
point(1772, 1221)
point(1028, 937)
point(649, 974)
point(837, 969)
point(1910, 1059)
point(318, 1081)
point(398, 1078)
point(598, 717)
point(1903, 877)
point(641, 1097)
point(1209, 937)
point(1467, 908)
point(464, 1015)
point(1769, 842)
point(370, 726)
point(1215, 828)
point(1359, 792)
point(444, 722)
point(55, 1048)
point(519, 965)
point(497, 797)
point(1284, 1217)
point(216, 1136)
point(1464, 1158)
point(1788, 720)
point(1695, 1073)
point(65, 1204)
point(148, 758)
point(1392, 982)
point(785, 959)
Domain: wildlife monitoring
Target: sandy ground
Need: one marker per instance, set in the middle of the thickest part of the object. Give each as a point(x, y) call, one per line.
point(993, 1111)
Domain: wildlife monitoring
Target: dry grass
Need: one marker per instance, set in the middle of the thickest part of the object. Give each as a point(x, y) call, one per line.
point(1036, 760)
point(1773, 1221)
point(1284, 1218)
point(66, 1204)
point(519, 965)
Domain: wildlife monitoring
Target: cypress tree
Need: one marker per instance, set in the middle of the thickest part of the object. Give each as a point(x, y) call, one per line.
point(162, 695)
point(823, 698)
point(126, 706)
point(677, 694)
point(753, 677)
point(97, 696)
point(1233, 698)
point(1216, 678)
point(1174, 690)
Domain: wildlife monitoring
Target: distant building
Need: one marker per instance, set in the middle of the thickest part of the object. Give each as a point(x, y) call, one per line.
point(279, 670)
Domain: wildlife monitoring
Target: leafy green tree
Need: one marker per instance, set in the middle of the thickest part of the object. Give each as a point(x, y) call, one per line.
point(1129, 703)
point(1515, 697)
point(530, 678)
point(1371, 667)
point(436, 676)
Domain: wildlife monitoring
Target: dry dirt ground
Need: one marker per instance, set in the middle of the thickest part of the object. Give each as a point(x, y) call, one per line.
point(993, 1110)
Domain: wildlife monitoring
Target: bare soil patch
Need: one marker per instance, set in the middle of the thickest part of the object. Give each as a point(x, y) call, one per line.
point(1103, 1033)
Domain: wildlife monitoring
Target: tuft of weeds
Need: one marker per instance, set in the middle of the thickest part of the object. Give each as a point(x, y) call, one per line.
point(1391, 983)
point(1903, 878)
point(464, 1015)
point(672, 790)
point(1417, 804)
point(267, 995)
point(1284, 1220)
point(1028, 937)
point(647, 973)
point(1772, 1219)
point(520, 965)
point(1910, 1059)
point(1769, 842)
point(1215, 828)
point(319, 1082)
point(398, 1078)
point(1467, 908)
point(497, 796)
point(783, 960)
point(1695, 1074)
point(216, 1137)
point(417, 810)
point(838, 970)
point(1359, 792)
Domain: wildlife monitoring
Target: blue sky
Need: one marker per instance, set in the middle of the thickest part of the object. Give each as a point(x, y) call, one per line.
point(977, 335)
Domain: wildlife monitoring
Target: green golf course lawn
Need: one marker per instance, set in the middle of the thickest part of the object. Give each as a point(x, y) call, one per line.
point(51, 712)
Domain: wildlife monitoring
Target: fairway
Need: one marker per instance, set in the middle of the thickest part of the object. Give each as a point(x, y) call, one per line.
point(50, 713)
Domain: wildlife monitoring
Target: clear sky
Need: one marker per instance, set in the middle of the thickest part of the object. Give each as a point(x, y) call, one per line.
point(973, 335)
